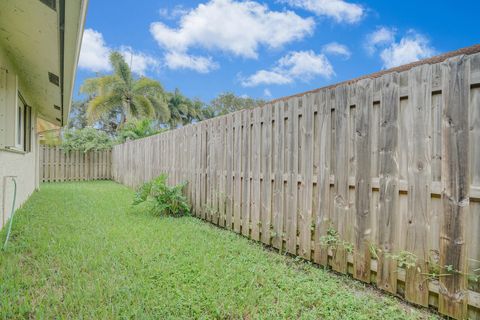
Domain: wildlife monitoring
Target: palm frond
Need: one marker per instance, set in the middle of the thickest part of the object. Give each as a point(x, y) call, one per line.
point(90, 86)
point(146, 86)
point(101, 105)
point(142, 107)
point(100, 85)
point(109, 84)
point(183, 108)
point(162, 111)
point(121, 68)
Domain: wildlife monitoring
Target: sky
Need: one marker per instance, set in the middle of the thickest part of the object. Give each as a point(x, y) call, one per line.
point(268, 49)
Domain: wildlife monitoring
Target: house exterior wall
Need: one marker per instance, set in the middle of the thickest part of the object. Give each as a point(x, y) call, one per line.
point(23, 165)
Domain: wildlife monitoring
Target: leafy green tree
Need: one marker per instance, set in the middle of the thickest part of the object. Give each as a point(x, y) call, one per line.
point(86, 139)
point(134, 97)
point(196, 112)
point(107, 122)
point(208, 112)
point(50, 138)
point(77, 118)
point(228, 102)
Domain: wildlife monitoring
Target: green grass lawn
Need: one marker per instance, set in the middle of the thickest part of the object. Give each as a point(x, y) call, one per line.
point(79, 250)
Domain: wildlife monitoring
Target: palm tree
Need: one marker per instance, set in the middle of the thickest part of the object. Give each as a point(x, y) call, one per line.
point(183, 110)
point(196, 111)
point(137, 129)
point(178, 105)
point(136, 98)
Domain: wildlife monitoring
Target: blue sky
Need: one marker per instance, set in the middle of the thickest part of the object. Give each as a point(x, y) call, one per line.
point(269, 49)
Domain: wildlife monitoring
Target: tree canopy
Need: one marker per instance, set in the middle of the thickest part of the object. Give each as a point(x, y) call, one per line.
point(135, 98)
point(86, 139)
point(124, 106)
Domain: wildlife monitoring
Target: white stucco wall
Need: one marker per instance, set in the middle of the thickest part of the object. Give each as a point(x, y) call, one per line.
point(22, 165)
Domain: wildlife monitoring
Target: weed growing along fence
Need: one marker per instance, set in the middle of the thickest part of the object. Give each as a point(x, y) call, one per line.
point(378, 177)
point(59, 165)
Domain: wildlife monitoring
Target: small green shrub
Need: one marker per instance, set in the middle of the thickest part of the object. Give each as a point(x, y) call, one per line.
point(167, 200)
point(86, 139)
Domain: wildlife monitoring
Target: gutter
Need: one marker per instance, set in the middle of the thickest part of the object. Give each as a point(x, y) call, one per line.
point(79, 37)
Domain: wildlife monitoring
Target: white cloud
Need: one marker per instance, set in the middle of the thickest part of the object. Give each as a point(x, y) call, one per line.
point(266, 93)
point(94, 52)
point(139, 62)
point(381, 36)
point(175, 60)
point(235, 27)
point(296, 65)
point(336, 48)
point(266, 77)
point(339, 10)
point(172, 14)
point(306, 64)
point(412, 47)
point(94, 55)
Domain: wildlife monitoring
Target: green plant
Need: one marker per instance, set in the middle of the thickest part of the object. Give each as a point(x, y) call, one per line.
point(86, 139)
point(136, 129)
point(405, 259)
point(373, 251)
point(167, 200)
point(332, 240)
point(348, 246)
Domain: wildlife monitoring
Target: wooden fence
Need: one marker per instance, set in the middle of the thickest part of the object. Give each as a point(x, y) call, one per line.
point(58, 165)
point(378, 178)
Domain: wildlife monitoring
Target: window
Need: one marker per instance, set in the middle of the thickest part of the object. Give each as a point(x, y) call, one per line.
point(15, 115)
point(19, 128)
point(27, 139)
point(20, 125)
point(23, 125)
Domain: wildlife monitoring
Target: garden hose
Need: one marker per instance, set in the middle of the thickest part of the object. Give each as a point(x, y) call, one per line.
point(12, 213)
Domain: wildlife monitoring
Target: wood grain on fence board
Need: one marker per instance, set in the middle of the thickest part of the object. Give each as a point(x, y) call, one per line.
point(456, 187)
point(323, 133)
point(341, 197)
point(266, 170)
point(419, 182)
point(363, 187)
point(388, 165)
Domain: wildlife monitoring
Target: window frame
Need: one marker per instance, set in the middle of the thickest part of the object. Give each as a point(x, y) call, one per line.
point(27, 135)
point(23, 124)
point(19, 122)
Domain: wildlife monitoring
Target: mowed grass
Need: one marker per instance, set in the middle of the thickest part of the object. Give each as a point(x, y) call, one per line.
point(79, 250)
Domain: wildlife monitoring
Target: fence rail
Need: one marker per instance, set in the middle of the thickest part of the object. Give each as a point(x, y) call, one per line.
point(59, 165)
point(379, 178)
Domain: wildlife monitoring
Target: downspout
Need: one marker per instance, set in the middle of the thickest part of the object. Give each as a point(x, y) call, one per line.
point(61, 24)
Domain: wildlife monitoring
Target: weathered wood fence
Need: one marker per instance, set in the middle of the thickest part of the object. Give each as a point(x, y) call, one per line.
point(379, 178)
point(58, 165)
